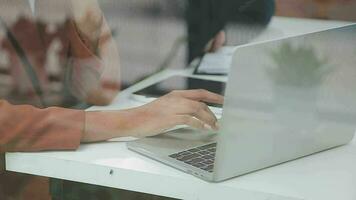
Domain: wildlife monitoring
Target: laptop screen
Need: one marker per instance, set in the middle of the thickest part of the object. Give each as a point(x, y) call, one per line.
point(182, 83)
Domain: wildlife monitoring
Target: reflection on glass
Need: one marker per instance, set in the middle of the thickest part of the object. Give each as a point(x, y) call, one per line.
point(296, 77)
point(57, 53)
point(297, 66)
point(284, 99)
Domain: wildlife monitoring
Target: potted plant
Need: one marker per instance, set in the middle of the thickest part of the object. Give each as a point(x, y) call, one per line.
point(296, 76)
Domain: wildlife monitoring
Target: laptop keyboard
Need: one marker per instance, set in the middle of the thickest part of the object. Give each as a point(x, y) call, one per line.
point(200, 157)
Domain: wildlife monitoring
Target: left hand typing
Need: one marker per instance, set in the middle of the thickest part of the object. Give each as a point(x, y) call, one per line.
point(217, 42)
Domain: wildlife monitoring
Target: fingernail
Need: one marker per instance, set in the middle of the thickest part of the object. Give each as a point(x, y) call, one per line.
point(207, 127)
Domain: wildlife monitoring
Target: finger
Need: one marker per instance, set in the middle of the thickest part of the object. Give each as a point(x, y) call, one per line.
point(197, 109)
point(201, 95)
point(192, 122)
point(211, 113)
point(219, 41)
point(208, 118)
point(202, 112)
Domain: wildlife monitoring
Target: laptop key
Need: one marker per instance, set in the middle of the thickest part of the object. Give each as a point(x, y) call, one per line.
point(189, 162)
point(174, 155)
point(197, 160)
point(207, 157)
point(211, 154)
point(188, 157)
point(207, 146)
point(204, 152)
point(198, 165)
point(208, 168)
point(194, 150)
point(185, 153)
point(212, 150)
point(208, 162)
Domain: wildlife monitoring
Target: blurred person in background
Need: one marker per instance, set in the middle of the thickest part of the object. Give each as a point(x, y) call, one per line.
point(53, 53)
point(58, 53)
point(207, 19)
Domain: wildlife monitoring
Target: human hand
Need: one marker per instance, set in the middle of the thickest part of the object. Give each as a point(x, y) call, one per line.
point(217, 42)
point(176, 108)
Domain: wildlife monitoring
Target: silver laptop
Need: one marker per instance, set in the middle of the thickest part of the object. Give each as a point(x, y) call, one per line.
point(285, 99)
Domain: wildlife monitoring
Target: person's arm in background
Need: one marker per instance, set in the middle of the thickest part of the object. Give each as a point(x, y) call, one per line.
point(94, 54)
point(207, 18)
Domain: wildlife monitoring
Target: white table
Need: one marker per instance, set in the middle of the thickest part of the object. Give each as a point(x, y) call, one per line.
point(325, 176)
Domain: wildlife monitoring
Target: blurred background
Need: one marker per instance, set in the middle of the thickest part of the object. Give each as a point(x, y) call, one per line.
point(152, 33)
point(146, 31)
point(320, 9)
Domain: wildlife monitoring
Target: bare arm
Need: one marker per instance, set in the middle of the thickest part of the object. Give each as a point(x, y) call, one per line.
point(176, 108)
point(26, 128)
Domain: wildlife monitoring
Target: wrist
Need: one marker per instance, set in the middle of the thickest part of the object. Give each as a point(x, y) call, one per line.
point(105, 125)
point(98, 127)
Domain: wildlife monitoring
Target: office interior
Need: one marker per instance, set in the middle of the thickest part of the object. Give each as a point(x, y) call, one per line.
point(141, 39)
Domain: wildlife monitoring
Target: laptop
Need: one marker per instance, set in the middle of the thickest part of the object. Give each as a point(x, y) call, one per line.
point(284, 99)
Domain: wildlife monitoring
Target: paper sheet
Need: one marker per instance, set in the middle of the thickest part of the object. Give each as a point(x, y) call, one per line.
point(218, 62)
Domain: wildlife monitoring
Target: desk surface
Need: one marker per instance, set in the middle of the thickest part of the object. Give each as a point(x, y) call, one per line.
point(326, 176)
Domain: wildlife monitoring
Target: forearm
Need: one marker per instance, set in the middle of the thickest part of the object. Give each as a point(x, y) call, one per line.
point(102, 126)
point(26, 128)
